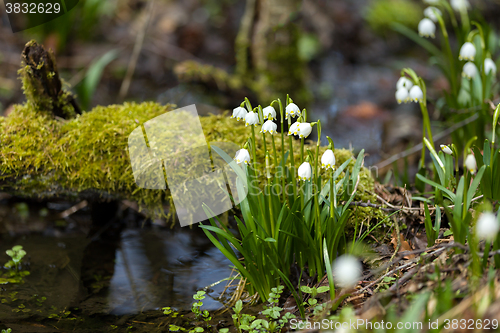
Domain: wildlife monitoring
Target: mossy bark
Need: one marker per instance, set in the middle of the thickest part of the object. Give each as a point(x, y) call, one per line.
point(41, 83)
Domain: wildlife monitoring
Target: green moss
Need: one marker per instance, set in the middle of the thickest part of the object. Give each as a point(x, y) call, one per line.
point(41, 155)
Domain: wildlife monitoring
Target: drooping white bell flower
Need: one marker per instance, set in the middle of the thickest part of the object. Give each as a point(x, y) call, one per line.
point(242, 156)
point(251, 118)
point(467, 52)
point(426, 28)
point(305, 171)
point(416, 94)
point(404, 82)
point(239, 113)
point(328, 159)
point(269, 112)
point(269, 126)
point(292, 110)
point(294, 129)
point(347, 271)
point(460, 5)
point(304, 130)
point(402, 95)
point(469, 70)
point(490, 66)
point(430, 12)
point(487, 226)
point(470, 163)
point(446, 149)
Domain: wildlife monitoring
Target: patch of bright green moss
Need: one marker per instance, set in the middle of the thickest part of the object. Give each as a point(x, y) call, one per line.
point(41, 155)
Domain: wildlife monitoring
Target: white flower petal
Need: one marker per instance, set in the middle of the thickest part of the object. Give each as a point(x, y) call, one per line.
point(426, 28)
point(328, 159)
point(487, 226)
point(446, 149)
point(269, 126)
point(305, 171)
point(467, 52)
point(239, 113)
point(269, 112)
point(292, 110)
point(304, 130)
point(460, 5)
point(402, 95)
point(490, 66)
point(430, 12)
point(469, 70)
point(251, 118)
point(404, 82)
point(347, 271)
point(242, 156)
point(294, 129)
point(416, 94)
point(470, 163)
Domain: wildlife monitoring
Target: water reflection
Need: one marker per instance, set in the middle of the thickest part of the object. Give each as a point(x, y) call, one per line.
point(143, 269)
point(157, 268)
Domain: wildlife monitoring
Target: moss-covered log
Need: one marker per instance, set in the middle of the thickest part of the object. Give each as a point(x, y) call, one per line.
point(86, 156)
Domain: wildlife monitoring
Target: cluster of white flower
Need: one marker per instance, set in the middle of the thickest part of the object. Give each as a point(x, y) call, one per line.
point(301, 129)
point(406, 91)
point(427, 26)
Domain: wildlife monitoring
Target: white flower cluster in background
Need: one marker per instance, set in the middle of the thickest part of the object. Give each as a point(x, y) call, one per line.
point(406, 91)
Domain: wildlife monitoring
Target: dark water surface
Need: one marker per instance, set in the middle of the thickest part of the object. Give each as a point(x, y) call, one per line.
point(136, 270)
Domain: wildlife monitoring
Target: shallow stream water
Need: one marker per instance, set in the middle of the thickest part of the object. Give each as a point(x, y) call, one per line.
point(103, 277)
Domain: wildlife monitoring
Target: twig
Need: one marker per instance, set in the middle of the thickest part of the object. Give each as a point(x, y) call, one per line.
point(412, 261)
point(73, 209)
point(418, 147)
point(402, 208)
point(135, 53)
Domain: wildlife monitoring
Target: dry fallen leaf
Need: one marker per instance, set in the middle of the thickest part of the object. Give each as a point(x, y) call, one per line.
point(405, 245)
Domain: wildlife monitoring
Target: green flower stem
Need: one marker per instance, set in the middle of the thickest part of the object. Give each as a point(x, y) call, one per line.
point(453, 18)
point(332, 195)
point(466, 188)
point(496, 115)
point(427, 122)
point(465, 20)
point(282, 171)
point(292, 161)
point(264, 140)
point(317, 180)
point(301, 150)
point(471, 90)
point(427, 126)
point(254, 152)
point(269, 196)
point(451, 59)
point(275, 154)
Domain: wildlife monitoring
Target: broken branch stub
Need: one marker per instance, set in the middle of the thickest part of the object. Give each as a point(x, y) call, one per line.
point(42, 85)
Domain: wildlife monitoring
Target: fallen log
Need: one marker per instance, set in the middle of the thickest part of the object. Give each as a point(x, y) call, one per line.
point(49, 150)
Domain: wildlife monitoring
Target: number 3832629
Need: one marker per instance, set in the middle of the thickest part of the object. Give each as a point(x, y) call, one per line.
point(32, 8)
